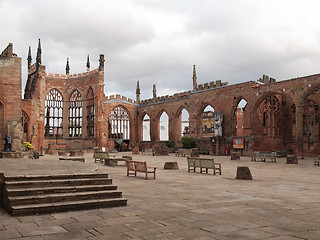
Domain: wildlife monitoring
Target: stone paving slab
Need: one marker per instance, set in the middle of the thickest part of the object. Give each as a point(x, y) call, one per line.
point(280, 203)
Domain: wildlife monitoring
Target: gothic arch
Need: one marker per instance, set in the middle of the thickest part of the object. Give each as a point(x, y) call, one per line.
point(182, 125)
point(145, 127)
point(53, 114)
point(119, 123)
point(241, 117)
point(163, 125)
point(25, 126)
point(75, 114)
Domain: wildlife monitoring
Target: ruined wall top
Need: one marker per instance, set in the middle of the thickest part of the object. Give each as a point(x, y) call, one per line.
point(8, 52)
point(266, 79)
point(68, 76)
point(119, 98)
point(184, 95)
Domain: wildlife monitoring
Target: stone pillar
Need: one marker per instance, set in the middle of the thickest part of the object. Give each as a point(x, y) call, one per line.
point(84, 117)
point(299, 130)
point(15, 131)
point(154, 130)
point(65, 115)
point(172, 129)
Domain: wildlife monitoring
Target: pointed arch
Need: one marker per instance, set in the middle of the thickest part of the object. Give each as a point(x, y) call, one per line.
point(75, 114)
point(90, 112)
point(25, 126)
point(146, 136)
point(241, 118)
point(163, 126)
point(182, 117)
point(119, 123)
point(53, 114)
point(207, 124)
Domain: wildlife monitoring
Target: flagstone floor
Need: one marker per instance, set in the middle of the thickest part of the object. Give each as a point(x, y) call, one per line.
point(282, 202)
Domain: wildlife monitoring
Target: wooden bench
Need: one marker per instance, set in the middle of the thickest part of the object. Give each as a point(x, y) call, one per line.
point(100, 156)
point(183, 153)
point(203, 163)
point(136, 166)
point(148, 151)
point(317, 161)
point(264, 156)
point(113, 161)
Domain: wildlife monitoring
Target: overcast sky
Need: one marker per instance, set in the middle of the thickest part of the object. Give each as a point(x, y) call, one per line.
point(158, 41)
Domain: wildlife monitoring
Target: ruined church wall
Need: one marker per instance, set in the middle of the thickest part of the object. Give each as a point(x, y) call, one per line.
point(10, 100)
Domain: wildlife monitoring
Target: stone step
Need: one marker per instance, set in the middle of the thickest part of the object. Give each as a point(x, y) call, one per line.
point(52, 190)
point(56, 176)
point(66, 206)
point(63, 197)
point(57, 182)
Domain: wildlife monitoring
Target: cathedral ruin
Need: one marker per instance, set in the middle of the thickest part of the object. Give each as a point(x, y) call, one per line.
point(69, 112)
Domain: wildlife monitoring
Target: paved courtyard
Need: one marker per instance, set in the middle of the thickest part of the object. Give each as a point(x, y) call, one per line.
point(281, 203)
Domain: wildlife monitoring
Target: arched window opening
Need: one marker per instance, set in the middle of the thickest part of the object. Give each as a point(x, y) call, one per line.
point(146, 128)
point(75, 114)
point(311, 120)
point(25, 126)
point(164, 127)
point(208, 122)
point(119, 124)
point(53, 114)
point(241, 118)
point(90, 113)
point(270, 112)
point(185, 130)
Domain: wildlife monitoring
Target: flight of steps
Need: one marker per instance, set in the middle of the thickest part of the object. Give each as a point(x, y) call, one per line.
point(36, 194)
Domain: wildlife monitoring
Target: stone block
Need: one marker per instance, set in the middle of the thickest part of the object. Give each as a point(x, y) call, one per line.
point(244, 173)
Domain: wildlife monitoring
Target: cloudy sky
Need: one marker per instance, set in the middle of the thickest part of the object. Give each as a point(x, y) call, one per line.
point(158, 41)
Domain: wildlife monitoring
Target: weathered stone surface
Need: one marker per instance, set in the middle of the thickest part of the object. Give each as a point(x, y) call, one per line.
point(171, 166)
point(244, 173)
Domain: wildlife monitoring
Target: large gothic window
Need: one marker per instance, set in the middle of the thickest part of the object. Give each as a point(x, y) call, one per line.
point(25, 125)
point(311, 120)
point(164, 127)
point(146, 128)
point(119, 124)
point(53, 114)
point(75, 114)
point(270, 110)
point(90, 113)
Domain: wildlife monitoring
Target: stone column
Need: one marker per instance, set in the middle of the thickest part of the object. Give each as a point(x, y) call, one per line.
point(154, 130)
point(299, 130)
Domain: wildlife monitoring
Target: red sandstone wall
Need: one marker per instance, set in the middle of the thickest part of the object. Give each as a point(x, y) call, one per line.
point(10, 98)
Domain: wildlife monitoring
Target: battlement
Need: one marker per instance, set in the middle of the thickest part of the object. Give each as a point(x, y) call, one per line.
point(266, 79)
point(210, 85)
point(167, 98)
point(119, 97)
point(63, 76)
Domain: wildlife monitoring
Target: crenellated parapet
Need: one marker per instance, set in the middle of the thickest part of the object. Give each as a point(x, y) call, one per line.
point(211, 85)
point(118, 98)
point(167, 98)
point(69, 76)
point(266, 80)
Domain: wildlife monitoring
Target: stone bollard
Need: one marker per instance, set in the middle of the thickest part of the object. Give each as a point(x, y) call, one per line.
point(243, 173)
point(171, 166)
